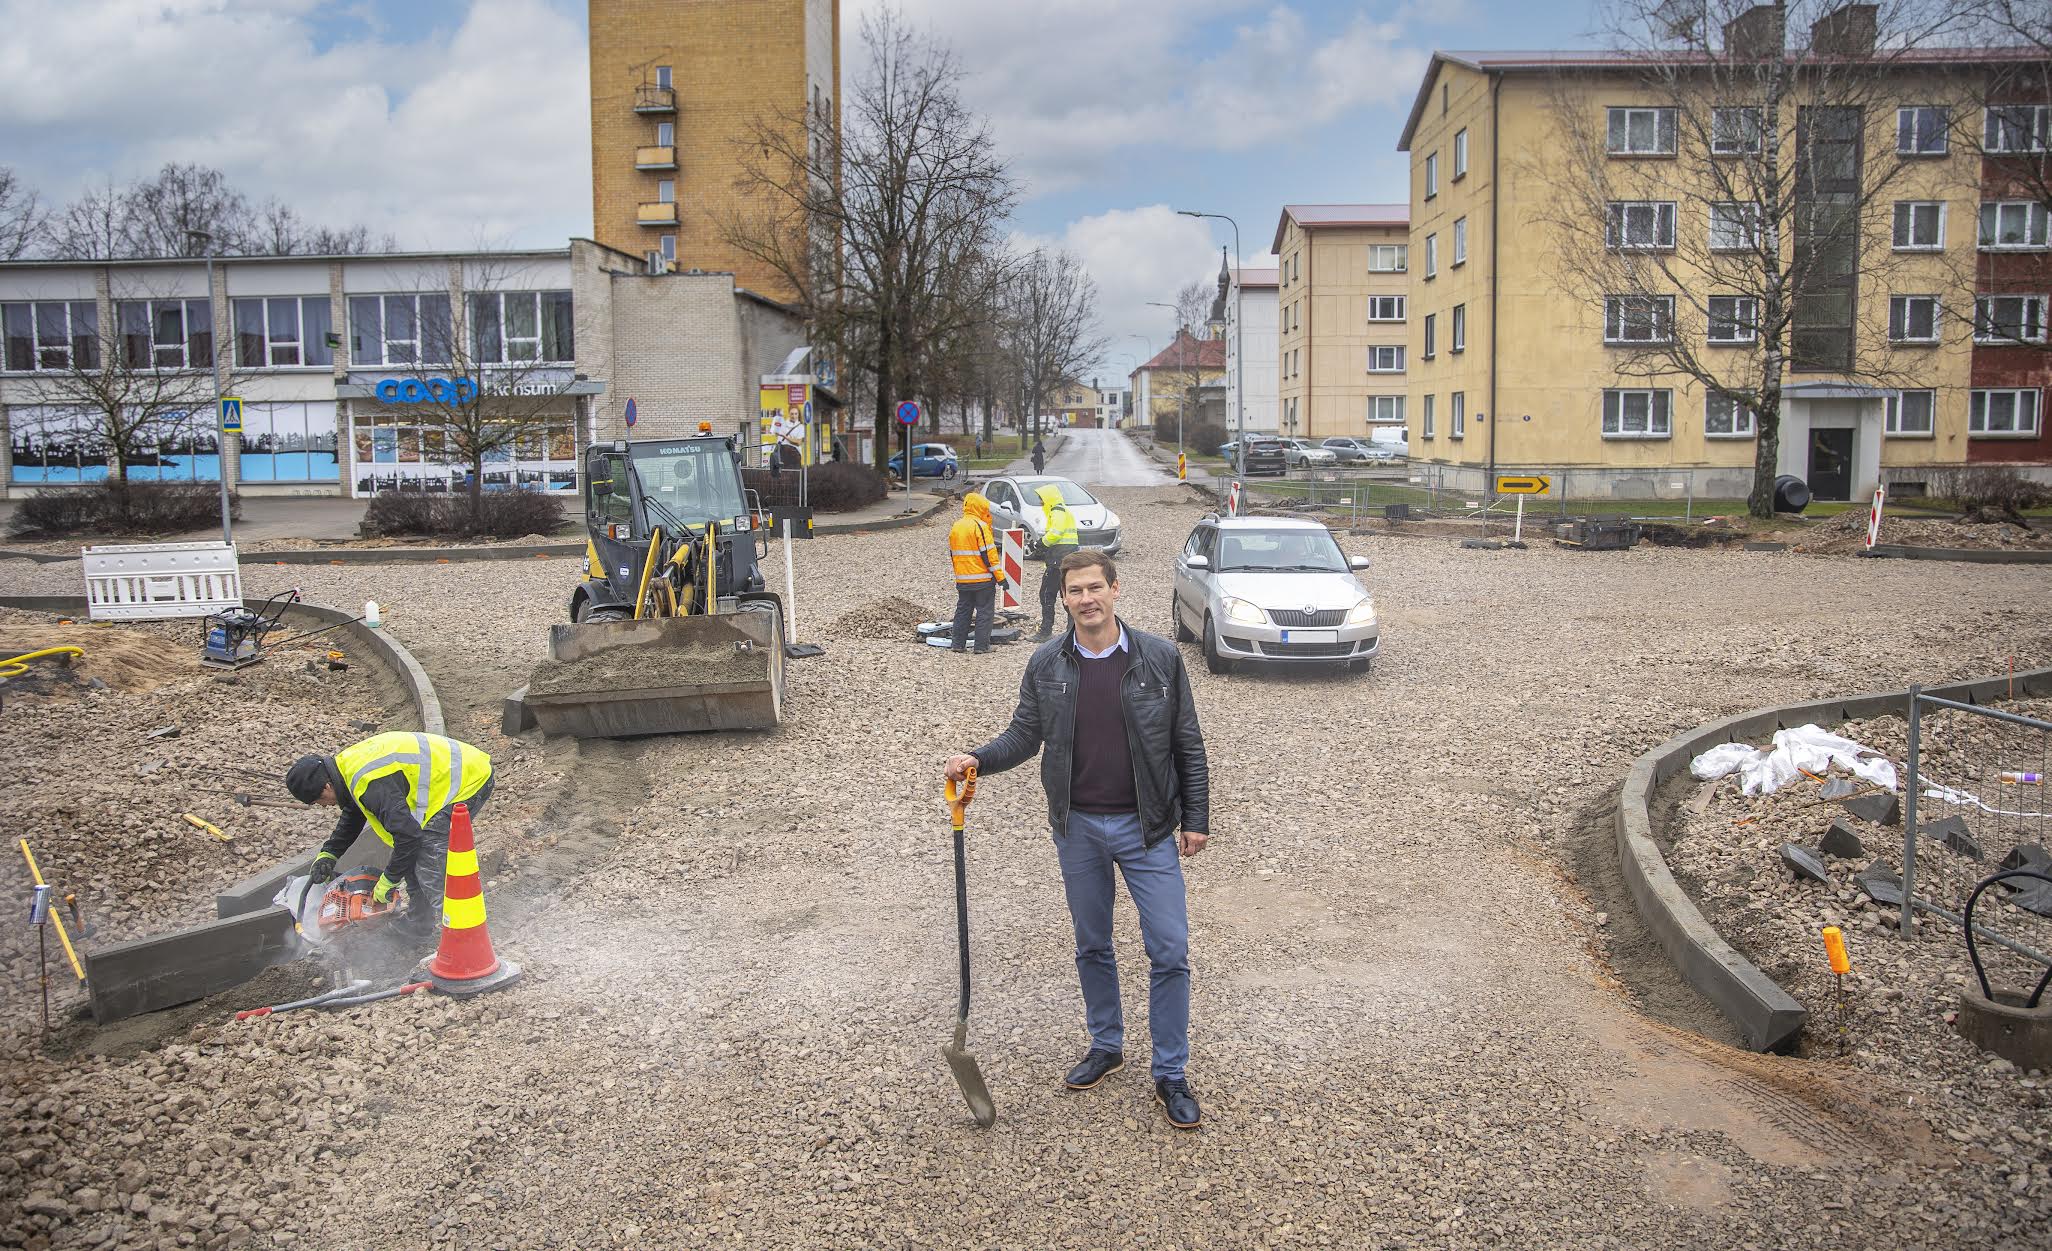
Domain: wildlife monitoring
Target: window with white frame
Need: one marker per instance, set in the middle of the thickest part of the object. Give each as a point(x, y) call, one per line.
point(1639, 225)
point(2012, 225)
point(1457, 330)
point(1638, 414)
point(1911, 414)
point(1386, 359)
point(668, 247)
point(662, 75)
point(1725, 418)
point(51, 335)
point(1733, 319)
point(2003, 413)
point(2017, 128)
point(666, 191)
point(1431, 334)
point(1385, 408)
point(1631, 319)
point(522, 326)
point(1460, 241)
point(1432, 175)
point(1913, 319)
point(1919, 225)
point(1385, 308)
point(1460, 153)
point(281, 331)
point(1387, 258)
point(400, 330)
point(1920, 129)
point(1735, 130)
point(1426, 427)
point(1640, 132)
point(1431, 255)
point(1457, 415)
point(165, 334)
point(2009, 319)
point(1734, 226)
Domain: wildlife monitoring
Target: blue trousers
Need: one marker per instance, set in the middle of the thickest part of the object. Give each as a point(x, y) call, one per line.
point(1154, 878)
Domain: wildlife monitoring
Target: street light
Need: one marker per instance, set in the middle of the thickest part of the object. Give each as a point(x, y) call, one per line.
point(1239, 324)
point(205, 242)
point(1183, 408)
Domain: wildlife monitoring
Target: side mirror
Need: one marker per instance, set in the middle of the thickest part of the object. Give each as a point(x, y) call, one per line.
point(1358, 562)
point(1198, 562)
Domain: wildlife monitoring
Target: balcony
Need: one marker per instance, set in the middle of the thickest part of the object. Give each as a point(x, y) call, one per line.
point(649, 98)
point(660, 214)
point(655, 158)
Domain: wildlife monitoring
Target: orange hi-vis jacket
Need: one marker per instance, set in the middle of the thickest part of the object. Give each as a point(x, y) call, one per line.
point(972, 544)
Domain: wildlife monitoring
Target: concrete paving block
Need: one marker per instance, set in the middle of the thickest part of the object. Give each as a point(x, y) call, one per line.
point(1882, 884)
point(2026, 856)
point(1952, 834)
point(1842, 842)
point(161, 972)
point(1880, 807)
point(1875, 704)
point(515, 717)
point(1825, 713)
point(1805, 862)
point(255, 893)
point(1838, 788)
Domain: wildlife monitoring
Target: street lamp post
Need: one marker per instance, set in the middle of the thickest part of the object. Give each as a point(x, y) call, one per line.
point(1182, 408)
point(206, 241)
point(1239, 327)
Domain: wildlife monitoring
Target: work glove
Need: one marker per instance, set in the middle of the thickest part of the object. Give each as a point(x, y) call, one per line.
point(323, 868)
point(382, 892)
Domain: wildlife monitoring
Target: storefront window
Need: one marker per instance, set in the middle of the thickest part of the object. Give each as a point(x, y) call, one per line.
point(289, 442)
point(70, 445)
point(393, 455)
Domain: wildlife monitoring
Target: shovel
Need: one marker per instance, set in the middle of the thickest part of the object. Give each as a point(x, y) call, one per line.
point(960, 1059)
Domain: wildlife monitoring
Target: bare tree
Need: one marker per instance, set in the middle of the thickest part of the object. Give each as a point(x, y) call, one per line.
point(1735, 258)
point(163, 213)
point(90, 228)
point(130, 397)
point(1050, 327)
point(1193, 308)
point(22, 216)
point(876, 225)
point(156, 217)
point(277, 229)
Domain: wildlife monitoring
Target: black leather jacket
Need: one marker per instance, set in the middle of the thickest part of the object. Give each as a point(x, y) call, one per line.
point(1170, 778)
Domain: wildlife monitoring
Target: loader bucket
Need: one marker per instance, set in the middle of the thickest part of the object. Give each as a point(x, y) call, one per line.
point(669, 675)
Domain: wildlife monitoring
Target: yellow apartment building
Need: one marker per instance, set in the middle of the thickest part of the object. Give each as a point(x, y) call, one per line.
point(1519, 160)
point(1342, 296)
point(674, 87)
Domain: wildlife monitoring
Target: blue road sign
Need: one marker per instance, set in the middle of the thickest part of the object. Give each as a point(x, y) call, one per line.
point(231, 414)
point(630, 412)
point(908, 412)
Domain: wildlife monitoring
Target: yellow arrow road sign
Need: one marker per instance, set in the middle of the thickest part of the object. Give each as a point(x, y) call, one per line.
point(1530, 485)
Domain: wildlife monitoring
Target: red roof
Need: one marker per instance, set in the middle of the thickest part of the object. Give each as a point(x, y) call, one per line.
point(1314, 216)
point(1186, 351)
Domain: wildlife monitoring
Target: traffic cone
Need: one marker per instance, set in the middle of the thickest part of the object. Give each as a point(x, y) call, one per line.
point(464, 963)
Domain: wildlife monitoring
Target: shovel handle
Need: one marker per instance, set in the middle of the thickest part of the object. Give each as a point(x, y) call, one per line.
point(960, 795)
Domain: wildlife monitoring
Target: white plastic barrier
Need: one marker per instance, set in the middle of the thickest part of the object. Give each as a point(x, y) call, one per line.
point(146, 581)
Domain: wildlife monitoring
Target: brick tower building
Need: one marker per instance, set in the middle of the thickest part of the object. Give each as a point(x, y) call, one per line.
point(674, 85)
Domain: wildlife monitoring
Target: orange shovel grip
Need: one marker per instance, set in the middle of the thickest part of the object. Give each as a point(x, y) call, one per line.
point(959, 797)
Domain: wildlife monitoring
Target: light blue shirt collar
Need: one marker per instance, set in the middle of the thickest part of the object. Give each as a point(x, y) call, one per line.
point(1087, 654)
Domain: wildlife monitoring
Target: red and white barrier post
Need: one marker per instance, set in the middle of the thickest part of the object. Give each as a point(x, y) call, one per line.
point(1012, 558)
point(1233, 498)
point(1874, 515)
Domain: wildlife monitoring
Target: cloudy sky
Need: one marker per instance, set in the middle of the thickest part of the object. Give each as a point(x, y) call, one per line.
point(454, 123)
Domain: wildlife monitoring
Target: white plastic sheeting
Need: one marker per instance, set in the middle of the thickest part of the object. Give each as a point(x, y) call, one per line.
point(1805, 749)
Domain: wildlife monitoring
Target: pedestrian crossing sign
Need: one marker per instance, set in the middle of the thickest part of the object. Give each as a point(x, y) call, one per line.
point(231, 414)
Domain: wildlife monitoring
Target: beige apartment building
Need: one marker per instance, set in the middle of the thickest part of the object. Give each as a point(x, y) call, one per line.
point(1902, 363)
point(1342, 304)
point(674, 88)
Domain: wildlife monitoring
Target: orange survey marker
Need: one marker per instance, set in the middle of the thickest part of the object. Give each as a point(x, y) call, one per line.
point(1834, 950)
point(464, 963)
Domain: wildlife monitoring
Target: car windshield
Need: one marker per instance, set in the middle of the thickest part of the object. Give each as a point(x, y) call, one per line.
point(694, 480)
point(1072, 495)
point(1295, 550)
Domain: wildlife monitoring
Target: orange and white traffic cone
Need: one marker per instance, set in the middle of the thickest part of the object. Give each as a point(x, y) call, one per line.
point(464, 963)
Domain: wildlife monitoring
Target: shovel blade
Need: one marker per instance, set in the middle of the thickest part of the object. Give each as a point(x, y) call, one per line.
point(962, 1062)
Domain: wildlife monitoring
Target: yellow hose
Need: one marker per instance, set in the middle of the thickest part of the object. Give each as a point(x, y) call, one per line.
point(15, 666)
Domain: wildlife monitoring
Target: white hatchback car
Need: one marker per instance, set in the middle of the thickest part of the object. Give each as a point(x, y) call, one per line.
point(1272, 588)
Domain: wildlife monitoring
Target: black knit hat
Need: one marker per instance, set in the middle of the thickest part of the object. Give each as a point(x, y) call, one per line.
point(306, 778)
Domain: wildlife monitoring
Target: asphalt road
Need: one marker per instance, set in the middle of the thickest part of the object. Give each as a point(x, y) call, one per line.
point(1105, 458)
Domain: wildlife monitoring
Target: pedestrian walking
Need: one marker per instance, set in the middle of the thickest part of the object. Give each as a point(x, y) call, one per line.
point(1039, 456)
point(405, 787)
point(979, 571)
point(1108, 710)
point(840, 450)
point(1057, 539)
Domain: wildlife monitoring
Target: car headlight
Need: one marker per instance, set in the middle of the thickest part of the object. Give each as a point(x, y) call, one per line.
point(1363, 613)
point(1111, 521)
point(1242, 611)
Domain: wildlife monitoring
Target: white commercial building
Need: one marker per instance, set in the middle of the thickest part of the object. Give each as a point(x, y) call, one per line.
point(1251, 295)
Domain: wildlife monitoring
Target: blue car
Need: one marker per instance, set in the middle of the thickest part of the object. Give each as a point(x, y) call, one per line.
point(929, 460)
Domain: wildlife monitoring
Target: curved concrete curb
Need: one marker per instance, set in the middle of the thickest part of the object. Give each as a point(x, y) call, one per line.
point(396, 555)
point(1767, 1017)
point(1971, 555)
point(888, 523)
point(41, 558)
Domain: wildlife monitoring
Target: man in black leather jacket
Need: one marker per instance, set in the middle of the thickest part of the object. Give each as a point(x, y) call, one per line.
point(1108, 709)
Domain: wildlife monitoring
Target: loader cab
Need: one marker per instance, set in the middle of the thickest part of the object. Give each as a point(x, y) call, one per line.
point(633, 488)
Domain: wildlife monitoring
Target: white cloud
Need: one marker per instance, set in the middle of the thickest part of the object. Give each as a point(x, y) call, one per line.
point(460, 137)
point(1136, 255)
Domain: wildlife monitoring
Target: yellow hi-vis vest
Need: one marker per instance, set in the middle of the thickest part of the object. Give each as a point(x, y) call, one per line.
point(1061, 523)
point(440, 772)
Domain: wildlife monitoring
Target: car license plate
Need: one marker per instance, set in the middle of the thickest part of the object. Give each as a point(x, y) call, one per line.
point(1310, 636)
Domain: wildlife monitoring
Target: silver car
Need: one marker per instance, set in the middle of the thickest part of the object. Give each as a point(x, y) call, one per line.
point(1268, 588)
point(1015, 503)
point(1304, 454)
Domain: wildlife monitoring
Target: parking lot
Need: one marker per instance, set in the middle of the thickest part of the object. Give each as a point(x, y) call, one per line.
point(1407, 1027)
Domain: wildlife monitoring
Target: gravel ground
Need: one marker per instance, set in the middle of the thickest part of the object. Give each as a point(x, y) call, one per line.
point(1406, 1032)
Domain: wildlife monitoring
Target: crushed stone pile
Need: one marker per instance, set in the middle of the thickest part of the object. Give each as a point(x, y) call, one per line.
point(890, 618)
point(1847, 532)
point(125, 658)
point(646, 665)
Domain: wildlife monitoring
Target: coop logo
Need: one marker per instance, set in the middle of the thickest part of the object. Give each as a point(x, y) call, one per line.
point(422, 390)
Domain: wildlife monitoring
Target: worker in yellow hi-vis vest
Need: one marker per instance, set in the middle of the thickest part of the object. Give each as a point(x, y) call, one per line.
point(404, 786)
